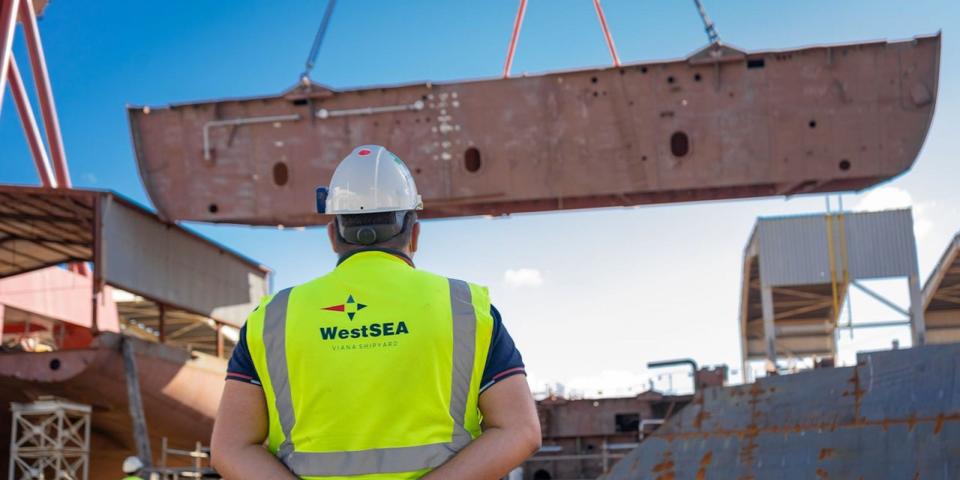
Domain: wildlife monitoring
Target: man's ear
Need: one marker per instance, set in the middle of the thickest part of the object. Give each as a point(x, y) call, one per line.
point(332, 234)
point(415, 237)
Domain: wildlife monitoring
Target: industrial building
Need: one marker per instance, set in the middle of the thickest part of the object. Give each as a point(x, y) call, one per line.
point(586, 437)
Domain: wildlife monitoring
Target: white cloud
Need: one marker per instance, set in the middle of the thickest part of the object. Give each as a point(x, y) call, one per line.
point(887, 198)
point(523, 277)
point(884, 198)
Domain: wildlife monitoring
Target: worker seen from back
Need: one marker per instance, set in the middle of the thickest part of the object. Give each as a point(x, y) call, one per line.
point(376, 370)
point(132, 468)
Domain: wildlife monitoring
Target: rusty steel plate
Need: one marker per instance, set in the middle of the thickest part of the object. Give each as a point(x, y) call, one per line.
point(181, 392)
point(895, 415)
point(719, 124)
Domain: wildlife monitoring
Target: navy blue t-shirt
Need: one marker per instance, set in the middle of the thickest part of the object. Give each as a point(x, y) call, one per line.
point(503, 358)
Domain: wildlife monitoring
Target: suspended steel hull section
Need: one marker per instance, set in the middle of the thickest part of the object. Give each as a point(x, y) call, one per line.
point(719, 124)
point(895, 415)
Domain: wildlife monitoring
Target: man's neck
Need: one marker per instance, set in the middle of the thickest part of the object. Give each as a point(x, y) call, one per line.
point(402, 255)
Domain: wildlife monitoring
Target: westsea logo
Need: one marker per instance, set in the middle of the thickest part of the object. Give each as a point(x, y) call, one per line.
point(351, 307)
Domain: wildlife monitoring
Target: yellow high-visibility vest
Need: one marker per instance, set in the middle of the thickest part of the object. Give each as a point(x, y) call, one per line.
point(372, 370)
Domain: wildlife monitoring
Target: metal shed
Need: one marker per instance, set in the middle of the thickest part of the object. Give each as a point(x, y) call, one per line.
point(797, 271)
point(130, 247)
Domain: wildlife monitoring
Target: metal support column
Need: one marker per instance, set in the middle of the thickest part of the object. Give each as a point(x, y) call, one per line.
point(769, 330)
point(97, 283)
point(162, 323)
point(220, 346)
point(137, 416)
point(918, 325)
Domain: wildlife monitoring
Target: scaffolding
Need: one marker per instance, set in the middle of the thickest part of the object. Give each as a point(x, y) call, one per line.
point(50, 439)
point(198, 457)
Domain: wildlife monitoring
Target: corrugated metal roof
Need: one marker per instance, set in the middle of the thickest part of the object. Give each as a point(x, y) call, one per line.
point(796, 250)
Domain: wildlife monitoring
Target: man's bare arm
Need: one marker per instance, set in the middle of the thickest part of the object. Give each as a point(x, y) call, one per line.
point(511, 433)
point(236, 449)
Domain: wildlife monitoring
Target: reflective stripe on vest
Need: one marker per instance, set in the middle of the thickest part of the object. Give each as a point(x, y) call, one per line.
point(381, 460)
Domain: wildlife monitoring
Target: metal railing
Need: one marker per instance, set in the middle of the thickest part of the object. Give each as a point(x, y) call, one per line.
point(199, 456)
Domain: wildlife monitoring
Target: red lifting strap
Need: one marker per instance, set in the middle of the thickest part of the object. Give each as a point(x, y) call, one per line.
point(513, 38)
point(606, 33)
point(518, 22)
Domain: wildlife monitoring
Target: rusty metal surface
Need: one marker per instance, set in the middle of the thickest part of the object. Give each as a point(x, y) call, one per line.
point(826, 118)
point(895, 415)
point(578, 434)
point(180, 394)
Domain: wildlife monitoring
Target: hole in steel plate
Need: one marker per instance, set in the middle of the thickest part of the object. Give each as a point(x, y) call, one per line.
point(812, 124)
point(593, 79)
point(756, 63)
point(542, 475)
point(679, 144)
point(697, 77)
point(55, 364)
point(471, 159)
point(300, 101)
point(213, 208)
point(844, 165)
point(280, 174)
point(670, 79)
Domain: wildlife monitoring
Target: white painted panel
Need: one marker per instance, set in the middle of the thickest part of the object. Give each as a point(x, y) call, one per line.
point(165, 263)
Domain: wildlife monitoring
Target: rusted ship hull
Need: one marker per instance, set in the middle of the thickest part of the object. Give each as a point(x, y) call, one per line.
point(720, 124)
point(895, 415)
point(180, 394)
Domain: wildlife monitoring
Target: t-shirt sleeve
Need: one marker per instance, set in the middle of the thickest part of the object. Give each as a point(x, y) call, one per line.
point(503, 358)
point(241, 366)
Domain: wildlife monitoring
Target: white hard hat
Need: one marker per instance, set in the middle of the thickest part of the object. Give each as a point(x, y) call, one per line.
point(132, 465)
point(369, 180)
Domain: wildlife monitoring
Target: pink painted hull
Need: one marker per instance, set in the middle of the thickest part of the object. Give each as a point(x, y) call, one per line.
point(181, 392)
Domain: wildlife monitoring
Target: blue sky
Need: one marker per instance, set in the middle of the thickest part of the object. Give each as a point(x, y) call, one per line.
point(589, 296)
